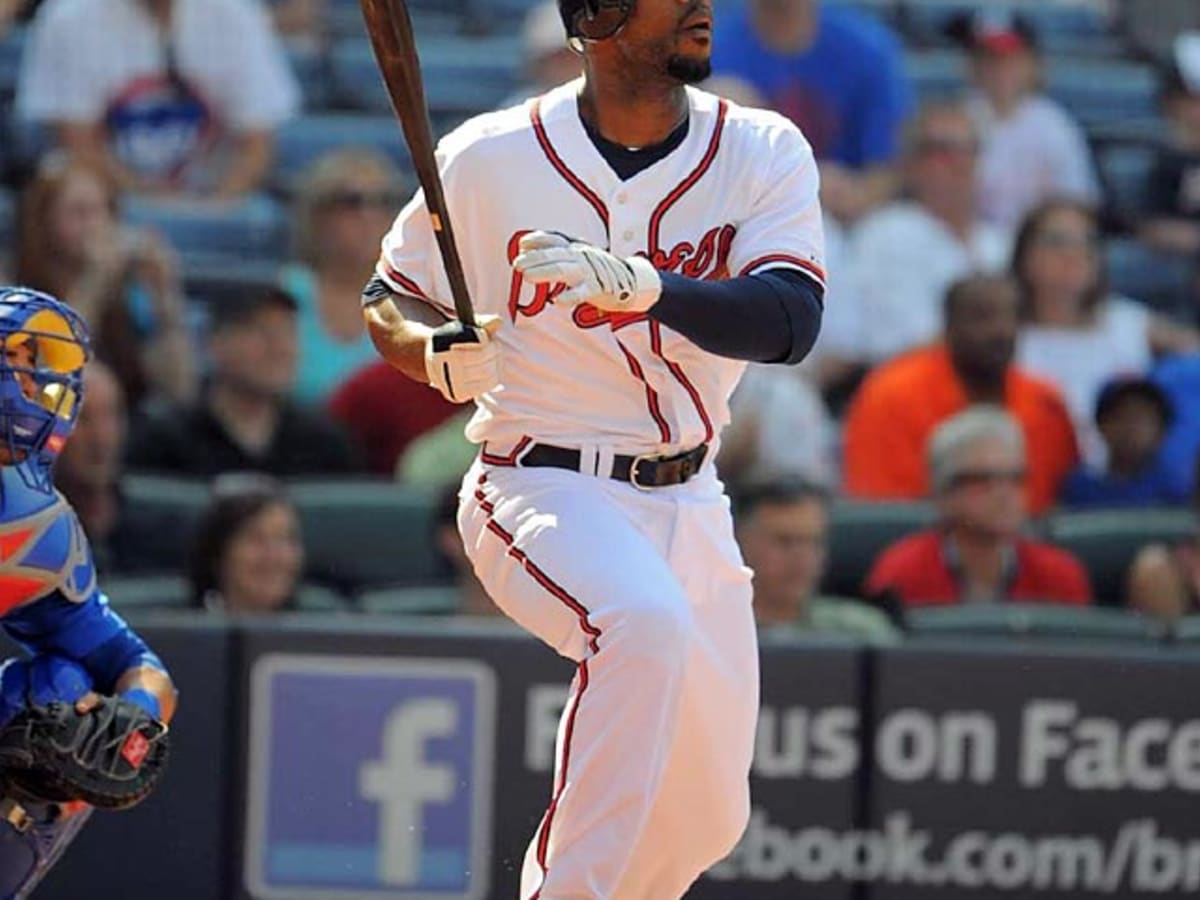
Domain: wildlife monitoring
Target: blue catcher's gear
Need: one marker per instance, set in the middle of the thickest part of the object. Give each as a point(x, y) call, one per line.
point(43, 348)
point(40, 681)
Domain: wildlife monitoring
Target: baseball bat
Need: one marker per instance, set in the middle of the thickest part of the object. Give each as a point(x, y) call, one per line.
point(391, 32)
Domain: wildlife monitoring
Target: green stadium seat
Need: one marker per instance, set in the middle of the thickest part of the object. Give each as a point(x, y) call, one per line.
point(164, 511)
point(859, 531)
point(416, 601)
point(147, 592)
point(1106, 541)
point(366, 533)
point(1031, 620)
point(317, 598)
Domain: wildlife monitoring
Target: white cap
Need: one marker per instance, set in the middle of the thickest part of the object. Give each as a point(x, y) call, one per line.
point(1187, 59)
point(543, 32)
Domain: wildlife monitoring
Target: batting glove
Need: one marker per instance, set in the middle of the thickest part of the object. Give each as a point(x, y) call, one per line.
point(592, 275)
point(463, 361)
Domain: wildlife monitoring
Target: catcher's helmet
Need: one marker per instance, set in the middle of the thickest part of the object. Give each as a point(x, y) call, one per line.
point(594, 20)
point(43, 348)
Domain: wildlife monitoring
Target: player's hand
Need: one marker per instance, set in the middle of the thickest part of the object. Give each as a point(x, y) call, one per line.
point(463, 362)
point(592, 275)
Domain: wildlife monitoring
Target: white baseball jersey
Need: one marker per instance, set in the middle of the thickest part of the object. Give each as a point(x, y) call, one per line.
point(738, 196)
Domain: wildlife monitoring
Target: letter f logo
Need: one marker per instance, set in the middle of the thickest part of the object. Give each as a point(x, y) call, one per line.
point(402, 783)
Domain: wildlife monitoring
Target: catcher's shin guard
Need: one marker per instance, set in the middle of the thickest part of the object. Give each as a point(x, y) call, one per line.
point(32, 838)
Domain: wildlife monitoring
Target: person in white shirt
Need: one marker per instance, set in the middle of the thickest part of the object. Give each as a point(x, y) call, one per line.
point(903, 257)
point(1074, 332)
point(1032, 148)
point(174, 96)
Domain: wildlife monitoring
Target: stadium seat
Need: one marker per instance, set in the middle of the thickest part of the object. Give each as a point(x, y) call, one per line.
point(317, 598)
point(1164, 282)
point(361, 534)
point(1104, 91)
point(1106, 541)
point(463, 75)
point(1125, 173)
point(859, 531)
point(1061, 28)
point(147, 592)
point(937, 74)
point(11, 48)
point(1031, 620)
point(345, 18)
point(164, 512)
point(301, 142)
point(253, 228)
point(311, 69)
point(417, 601)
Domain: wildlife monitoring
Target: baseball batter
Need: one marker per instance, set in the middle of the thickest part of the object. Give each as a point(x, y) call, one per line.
point(630, 242)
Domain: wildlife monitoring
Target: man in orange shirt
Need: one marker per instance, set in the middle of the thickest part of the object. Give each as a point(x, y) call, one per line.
point(900, 404)
point(977, 554)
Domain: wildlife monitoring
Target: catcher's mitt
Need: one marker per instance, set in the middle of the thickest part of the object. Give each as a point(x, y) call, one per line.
point(111, 757)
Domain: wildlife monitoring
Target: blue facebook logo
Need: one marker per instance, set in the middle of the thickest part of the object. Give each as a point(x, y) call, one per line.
point(369, 778)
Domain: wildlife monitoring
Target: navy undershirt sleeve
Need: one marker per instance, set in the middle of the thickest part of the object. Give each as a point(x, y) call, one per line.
point(771, 317)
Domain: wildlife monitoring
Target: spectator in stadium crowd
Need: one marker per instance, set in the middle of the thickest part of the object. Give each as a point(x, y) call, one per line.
point(10, 11)
point(976, 553)
point(440, 456)
point(1017, 122)
point(901, 403)
point(548, 59)
point(345, 201)
point(383, 411)
point(1173, 193)
point(1074, 332)
point(88, 474)
point(783, 529)
point(171, 96)
point(300, 23)
point(838, 74)
point(247, 556)
point(779, 427)
point(123, 281)
point(1179, 378)
point(1132, 416)
point(904, 256)
point(244, 419)
point(1164, 580)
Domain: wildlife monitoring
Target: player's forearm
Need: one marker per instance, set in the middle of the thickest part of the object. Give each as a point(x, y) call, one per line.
point(773, 317)
point(154, 682)
point(400, 341)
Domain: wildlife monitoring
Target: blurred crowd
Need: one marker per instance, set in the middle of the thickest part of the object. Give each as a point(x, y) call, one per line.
point(1012, 329)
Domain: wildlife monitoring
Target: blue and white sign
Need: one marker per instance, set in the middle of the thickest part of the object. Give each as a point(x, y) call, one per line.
point(370, 778)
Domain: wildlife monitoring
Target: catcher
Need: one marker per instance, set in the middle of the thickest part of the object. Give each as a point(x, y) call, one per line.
point(83, 717)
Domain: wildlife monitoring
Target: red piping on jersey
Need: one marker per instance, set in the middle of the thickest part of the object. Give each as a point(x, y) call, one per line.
point(409, 286)
point(539, 129)
point(676, 370)
point(509, 461)
point(714, 144)
point(664, 429)
point(807, 265)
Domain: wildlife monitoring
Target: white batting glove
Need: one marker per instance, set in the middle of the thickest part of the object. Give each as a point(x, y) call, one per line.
point(463, 362)
point(592, 275)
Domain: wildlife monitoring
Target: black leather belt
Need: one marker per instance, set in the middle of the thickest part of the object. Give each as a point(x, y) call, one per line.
point(644, 472)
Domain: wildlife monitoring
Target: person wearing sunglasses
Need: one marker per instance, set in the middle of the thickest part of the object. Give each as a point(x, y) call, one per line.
point(344, 202)
point(976, 553)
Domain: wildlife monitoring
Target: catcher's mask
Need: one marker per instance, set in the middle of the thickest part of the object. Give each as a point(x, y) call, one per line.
point(594, 20)
point(43, 348)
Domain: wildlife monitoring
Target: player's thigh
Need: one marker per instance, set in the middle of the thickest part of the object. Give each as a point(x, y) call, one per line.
point(561, 557)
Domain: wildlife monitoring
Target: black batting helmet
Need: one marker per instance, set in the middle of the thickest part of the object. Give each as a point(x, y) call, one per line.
point(594, 20)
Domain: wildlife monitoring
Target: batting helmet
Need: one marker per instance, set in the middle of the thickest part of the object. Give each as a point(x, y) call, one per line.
point(594, 20)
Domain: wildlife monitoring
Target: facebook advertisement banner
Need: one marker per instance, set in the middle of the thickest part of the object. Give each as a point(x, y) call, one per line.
point(1000, 774)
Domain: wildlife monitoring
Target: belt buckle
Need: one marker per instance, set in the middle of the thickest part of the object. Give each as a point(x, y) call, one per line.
point(633, 471)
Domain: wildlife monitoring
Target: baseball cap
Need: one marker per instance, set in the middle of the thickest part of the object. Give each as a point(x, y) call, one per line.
point(233, 307)
point(1122, 386)
point(996, 31)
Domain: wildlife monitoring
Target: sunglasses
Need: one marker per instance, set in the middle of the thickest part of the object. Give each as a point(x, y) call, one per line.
point(1054, 239)
point(976, 478)
point(359, 200)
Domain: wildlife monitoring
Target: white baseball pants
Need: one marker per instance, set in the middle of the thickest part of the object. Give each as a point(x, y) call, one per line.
point(647, 592)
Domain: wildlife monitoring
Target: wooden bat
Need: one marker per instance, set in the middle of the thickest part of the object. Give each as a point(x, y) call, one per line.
point(391, 32)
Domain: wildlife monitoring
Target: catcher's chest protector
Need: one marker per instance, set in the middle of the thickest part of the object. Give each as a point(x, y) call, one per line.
point(42, 546)
point(32, 838)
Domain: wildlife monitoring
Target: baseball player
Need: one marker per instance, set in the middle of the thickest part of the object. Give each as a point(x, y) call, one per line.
point(631, 242)
point(82, 718)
